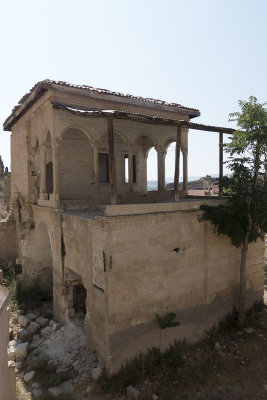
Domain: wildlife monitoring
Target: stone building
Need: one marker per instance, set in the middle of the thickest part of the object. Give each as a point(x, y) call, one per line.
point(90, 234)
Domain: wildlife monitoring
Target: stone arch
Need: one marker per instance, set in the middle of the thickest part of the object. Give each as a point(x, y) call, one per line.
point(169, 162)
point(75, 127)
point(146, 142)
point(43, 260)
point(75, 165)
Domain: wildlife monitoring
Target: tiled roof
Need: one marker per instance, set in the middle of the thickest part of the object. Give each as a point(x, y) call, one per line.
point(93, 112)
point(40, 87)
point(104, 91)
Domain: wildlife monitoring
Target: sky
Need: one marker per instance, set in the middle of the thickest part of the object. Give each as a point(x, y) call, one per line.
point(205, 54)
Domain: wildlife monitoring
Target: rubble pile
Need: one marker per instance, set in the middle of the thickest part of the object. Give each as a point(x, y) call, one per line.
point(62, 347)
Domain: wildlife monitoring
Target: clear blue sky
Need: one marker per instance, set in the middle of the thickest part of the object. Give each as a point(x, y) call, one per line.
point(205, 54)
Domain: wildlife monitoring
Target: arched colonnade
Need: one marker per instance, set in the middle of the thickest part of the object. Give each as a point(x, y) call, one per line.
point(76, 166)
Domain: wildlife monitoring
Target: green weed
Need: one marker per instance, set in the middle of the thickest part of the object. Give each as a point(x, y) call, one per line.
point(144, 365)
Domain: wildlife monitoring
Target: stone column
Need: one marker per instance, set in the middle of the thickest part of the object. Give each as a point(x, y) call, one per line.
point(185, 170)
point(161, 169)
point(112, 165)
point(130, 167)
point(96, 168)
point(55, 144)
point(43, 194)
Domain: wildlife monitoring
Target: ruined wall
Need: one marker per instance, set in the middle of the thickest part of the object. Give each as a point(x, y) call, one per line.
point(85, 246)
point(198, 281)
point(7, 375)
point(8, 241)
point(5, 193)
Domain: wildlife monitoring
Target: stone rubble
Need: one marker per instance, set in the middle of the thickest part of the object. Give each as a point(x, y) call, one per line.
point(64, 346)
point(132, 392)
point(28, 377)
point(21, 351)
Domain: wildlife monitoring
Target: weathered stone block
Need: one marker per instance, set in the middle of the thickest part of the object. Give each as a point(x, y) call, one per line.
point(24, 321)
point(42, 321)
point(33, 328)
point(28, 377)
point(21, 351)
point(23, 335)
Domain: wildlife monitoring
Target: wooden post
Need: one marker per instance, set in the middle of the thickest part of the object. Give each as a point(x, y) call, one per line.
point(185, 171)
point(112, 166)
point(220, 164)
point(177, 164)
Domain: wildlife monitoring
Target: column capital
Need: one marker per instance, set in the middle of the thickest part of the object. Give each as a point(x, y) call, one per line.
point(159, 148)
point(55, 141)
point(130, 146)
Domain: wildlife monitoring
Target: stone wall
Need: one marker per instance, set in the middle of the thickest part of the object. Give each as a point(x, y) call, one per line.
point(141, 260)
point(8, 241)
point(170, 262)
point(5, 192)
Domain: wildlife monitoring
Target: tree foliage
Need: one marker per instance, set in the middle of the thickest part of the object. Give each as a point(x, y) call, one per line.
point(243, 217)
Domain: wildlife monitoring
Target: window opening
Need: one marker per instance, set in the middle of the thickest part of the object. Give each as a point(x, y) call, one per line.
point(103, 167)
point(126, 170)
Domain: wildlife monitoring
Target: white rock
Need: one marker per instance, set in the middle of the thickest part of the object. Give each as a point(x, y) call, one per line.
point(66, 387)
point(154, 396)
point(11, 364)
point(33, 328)
point(11, 353)
point(37, 393)
point(46, 331)
point(96, 373)
point(23, 321)
point(55, 390)
point(56, 326)
point(132, 392)
point(67, 359)
point(249, 330)
point(28, 377)
point(76, 365)
point(31, 316)
point(21, 351)
point(35, 385)
point(14, 342)
point(217, 346)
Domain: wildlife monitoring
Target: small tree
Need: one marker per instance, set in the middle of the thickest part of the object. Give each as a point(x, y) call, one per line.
point(243, 218)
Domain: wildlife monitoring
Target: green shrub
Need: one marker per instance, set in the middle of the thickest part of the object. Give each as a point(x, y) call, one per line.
point(144, 365)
